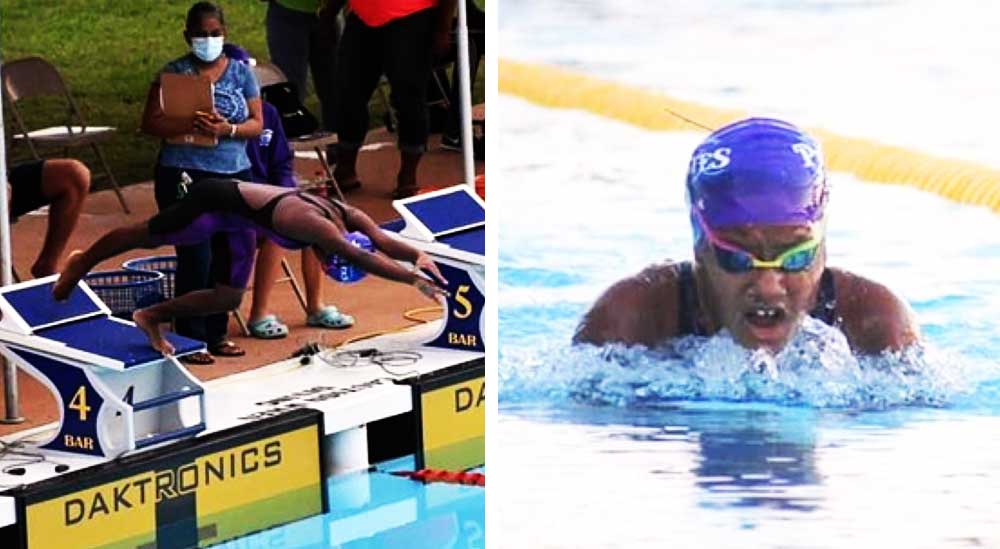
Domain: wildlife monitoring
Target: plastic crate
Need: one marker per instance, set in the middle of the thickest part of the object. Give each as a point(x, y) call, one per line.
point(166, 264)
point(126, 290)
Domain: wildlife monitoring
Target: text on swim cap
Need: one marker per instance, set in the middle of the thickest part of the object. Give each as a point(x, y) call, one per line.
point(710, 162)
point(808, 153)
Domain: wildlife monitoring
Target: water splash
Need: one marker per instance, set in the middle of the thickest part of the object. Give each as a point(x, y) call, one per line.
point(816, 369)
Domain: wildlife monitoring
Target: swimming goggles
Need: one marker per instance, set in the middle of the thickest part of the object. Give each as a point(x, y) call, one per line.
point(736, 260)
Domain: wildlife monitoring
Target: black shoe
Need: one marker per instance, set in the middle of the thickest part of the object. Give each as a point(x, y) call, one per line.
point(449, 143)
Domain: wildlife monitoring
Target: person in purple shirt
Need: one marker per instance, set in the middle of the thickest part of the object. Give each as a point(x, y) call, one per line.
point(272, 162)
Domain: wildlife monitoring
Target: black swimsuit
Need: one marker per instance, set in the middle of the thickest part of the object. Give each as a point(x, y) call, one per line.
point(216, 206)
point(264, 216)
point(689, 309)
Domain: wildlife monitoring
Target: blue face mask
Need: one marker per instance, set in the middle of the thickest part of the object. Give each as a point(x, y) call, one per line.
point(207, 49)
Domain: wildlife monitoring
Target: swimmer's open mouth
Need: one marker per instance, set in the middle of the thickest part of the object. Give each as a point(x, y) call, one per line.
point(765, 317)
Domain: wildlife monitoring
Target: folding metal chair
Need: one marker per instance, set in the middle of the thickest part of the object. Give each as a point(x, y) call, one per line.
point(34, 77)
point(269, 73)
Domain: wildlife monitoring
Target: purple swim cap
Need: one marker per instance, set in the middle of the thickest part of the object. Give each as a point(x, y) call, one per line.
point(757, 171)
point(342, 270)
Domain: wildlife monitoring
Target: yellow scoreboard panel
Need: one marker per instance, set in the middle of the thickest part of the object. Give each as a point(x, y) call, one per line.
point(196, 492)
point(451, 418)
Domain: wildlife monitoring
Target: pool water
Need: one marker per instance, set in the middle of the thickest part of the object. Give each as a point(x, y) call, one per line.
point(703, 444)
point(695, 443)
point(377, 509)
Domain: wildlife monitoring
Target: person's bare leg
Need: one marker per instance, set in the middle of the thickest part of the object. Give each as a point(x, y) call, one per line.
point(111, 244)
point(198, 303)
point(150, 324)
point(312, 271)
point(65, 183)
point(265, 274)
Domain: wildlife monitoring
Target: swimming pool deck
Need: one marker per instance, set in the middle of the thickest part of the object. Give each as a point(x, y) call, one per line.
point(376, 304)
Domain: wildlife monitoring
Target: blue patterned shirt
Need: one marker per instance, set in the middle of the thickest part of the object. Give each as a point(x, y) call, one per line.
point(232, 90)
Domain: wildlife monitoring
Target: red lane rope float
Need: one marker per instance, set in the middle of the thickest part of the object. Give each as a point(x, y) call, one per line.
point(449, 477)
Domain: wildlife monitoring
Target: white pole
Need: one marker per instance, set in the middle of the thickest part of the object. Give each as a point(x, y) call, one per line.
point(465, 94)
point(12, 407)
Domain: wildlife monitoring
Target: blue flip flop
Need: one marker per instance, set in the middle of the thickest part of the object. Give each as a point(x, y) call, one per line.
point(330, 317)
point(268, 327)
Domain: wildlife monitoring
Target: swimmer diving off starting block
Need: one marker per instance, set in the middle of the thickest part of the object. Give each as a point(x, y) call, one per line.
point(757, 192)
point(292, 218)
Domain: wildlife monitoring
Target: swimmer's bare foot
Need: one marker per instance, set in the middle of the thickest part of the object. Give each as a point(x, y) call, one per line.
point(70, 276)
point(151, 328)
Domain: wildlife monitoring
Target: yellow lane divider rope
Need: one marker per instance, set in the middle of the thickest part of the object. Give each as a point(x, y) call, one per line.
point(962, 181)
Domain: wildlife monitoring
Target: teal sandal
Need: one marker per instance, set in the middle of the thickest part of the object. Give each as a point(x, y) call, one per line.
point(268, 327)
point(330, 317)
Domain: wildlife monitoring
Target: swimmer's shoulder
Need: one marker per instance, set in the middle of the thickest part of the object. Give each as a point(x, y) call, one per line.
point(638, 310)
point(872, 317)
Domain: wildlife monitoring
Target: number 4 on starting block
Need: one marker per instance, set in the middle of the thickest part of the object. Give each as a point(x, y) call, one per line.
point(115, 392)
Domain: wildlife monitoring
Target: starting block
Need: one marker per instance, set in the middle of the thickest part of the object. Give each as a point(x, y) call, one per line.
point(450, 226)
point(115, 392)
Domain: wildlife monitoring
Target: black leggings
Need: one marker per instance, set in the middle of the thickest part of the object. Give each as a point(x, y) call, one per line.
point(198, 265)
point(401, 50)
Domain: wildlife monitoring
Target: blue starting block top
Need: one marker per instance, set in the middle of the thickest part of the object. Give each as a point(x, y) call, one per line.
point(37, 308)
point(81, 326)
point(451, 221)
point(115, 339)
point(101, 370)
point(469, 240)
point(451, 211)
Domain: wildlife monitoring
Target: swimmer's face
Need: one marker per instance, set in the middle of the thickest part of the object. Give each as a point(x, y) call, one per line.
point(761, 308)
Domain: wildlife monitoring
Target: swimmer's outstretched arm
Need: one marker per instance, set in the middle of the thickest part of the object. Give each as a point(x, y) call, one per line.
point(394, 248)
point(375, 263)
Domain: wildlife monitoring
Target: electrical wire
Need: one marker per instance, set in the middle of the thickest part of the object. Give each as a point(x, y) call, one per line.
point(410, 315)
point(386, 360)
point(17, 448)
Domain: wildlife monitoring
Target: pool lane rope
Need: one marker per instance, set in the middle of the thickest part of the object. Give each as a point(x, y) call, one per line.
point(961, 181)
point(448, 477)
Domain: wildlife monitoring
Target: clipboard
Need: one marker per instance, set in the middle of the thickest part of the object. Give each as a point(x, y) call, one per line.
point(182, 95)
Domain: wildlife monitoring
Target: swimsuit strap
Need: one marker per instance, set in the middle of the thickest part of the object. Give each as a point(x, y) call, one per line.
point(826, 299)
point(688, 309)
point(312, 199)
point(264, 216)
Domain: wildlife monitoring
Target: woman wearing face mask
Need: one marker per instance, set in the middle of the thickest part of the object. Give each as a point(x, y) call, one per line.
point(237, 116)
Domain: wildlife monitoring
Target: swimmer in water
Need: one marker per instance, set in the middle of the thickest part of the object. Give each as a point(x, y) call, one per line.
point(757, 192)
point(241, 211)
